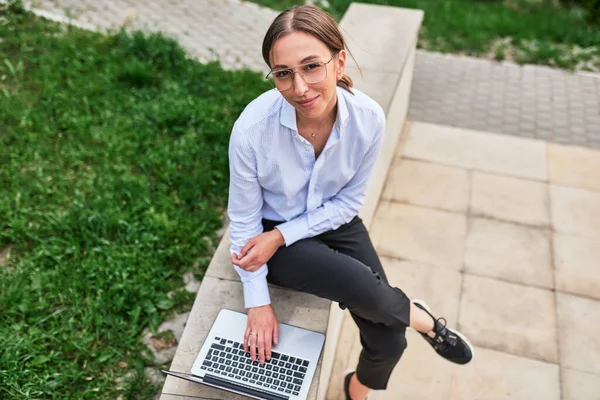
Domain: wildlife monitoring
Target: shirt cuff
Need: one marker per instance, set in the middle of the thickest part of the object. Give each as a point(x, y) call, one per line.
point(294, 229)
point(256, 292)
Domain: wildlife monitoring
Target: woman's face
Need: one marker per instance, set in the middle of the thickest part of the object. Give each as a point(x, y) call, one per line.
point(293, 50)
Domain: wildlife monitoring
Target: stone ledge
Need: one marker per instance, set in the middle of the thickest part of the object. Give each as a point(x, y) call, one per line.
point(390, 35)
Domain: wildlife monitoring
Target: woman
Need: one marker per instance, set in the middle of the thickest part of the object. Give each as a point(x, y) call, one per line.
point(300, 160)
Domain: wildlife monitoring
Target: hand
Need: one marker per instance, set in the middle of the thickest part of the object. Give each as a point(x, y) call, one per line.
point(262, 322)
point(258, 250)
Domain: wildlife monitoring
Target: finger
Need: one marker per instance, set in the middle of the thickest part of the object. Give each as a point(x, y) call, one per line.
point(268, 343)
point(247, 248)
point(246, 335)
point(261, 346)
point(253, 347)
point(276, 333)
point(247, 262)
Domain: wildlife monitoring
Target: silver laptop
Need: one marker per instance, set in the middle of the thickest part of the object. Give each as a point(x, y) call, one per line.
point(222, 362)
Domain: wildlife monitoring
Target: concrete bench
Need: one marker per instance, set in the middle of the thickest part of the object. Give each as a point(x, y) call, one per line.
point(383, 41)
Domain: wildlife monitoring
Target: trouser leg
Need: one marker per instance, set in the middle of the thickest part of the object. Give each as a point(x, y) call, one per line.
point(342, 266)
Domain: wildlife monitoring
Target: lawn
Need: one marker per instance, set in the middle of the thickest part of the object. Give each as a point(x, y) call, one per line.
point(114, 178)
point(524, 31)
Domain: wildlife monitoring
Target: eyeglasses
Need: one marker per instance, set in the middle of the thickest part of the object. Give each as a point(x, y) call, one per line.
point(312, 72)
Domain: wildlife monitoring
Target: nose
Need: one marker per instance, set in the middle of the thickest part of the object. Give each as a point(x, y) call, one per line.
point(300, 85)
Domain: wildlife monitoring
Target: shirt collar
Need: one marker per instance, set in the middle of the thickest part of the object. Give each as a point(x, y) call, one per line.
point(288, 112)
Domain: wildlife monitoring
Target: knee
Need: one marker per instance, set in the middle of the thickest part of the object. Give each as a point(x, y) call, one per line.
point(396, 346)
point(388, 347)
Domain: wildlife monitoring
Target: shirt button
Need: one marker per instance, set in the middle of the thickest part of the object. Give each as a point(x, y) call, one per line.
point(308, 149)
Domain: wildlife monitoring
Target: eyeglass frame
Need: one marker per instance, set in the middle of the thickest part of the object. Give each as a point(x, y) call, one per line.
point(301, 74)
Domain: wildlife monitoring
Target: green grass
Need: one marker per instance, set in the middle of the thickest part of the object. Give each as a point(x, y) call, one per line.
point(537, 31)
point(114, 177)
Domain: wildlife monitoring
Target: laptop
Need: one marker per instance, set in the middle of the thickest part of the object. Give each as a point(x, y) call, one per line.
point(223, 364)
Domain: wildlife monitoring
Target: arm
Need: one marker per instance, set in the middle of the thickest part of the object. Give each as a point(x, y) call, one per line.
point(341, 208)
point(245, 213)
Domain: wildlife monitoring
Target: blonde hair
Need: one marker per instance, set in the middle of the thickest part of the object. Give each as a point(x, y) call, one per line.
point(312, 20)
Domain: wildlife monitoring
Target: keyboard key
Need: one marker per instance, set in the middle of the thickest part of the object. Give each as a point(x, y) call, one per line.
point(230, 375)
point(230, 341)
point(208, 358)
point(256, 377)
point(288, 391)
point(297, 388)
point(221, 367)
point(298, 375)
point(238, 377)
point(228, 349)
point(288, 365)
point(288, 378)
point(269, 380)
point(298, 361)
point(228, 362)
point(305, 363)
point(269, 367)
point(292, 359)
point(217, 338)
point(294, 367)
point(254, 369)
point(268, 373)
point(273, 387)
point(284, 358)
point(295, 393)
point(223, 342)
point(275, 355)
point(252, 381)
point(289, 372)
point(217, 346)
point(228, 369)
point(297, 381)
point(276, 369)
point(302, 369)
point(207, 364)
point(245, 379)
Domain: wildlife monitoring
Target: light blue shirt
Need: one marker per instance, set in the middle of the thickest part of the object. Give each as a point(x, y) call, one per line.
point(274, 174)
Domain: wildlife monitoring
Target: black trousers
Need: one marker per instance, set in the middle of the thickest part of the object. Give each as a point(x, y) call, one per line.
point(341, 265)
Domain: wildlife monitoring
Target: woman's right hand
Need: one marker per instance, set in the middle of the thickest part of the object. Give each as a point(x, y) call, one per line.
point(262, 331)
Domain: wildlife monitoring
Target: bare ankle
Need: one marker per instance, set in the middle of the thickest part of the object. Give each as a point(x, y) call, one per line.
point(357, 390)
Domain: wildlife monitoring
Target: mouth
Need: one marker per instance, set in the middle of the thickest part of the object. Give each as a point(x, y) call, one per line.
point(307, 103)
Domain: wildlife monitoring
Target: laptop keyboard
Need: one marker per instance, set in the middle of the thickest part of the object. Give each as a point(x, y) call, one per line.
point(284, 373)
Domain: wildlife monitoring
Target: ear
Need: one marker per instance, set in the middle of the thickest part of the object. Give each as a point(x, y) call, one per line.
point(341, 64)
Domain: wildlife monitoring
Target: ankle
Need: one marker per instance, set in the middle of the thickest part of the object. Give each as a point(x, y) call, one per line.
point(357, 390)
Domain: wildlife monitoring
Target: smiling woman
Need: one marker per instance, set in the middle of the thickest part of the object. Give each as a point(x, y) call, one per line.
point(301, 156)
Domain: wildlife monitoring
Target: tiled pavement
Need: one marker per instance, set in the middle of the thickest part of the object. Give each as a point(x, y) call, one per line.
point(501, 236)
point(530, 101)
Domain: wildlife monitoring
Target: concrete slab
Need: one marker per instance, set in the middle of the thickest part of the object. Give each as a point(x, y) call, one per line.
point(576, 167)
point(509, 252)
point(578, 385)
point(579, 333)
point(410, 232)
point(577, 265)
point(521, 158)
point(511, 318)
point(575, 211)
point(510, 199)
point(428, 185)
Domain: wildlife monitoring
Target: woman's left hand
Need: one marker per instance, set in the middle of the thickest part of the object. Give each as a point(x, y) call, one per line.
point(258, 250)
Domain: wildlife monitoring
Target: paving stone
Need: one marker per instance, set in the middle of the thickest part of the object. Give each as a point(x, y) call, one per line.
point(509, 199)
point(409, 232)
point(575, 211)
point(429, 185)
point(579, 333)
point(508, 317)
point(577, 265)
point(509, 252)
point(574, 166)
point(578, 385)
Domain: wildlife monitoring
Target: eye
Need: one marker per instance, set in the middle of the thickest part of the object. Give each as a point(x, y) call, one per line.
point(281, 74)
point(311, 66)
